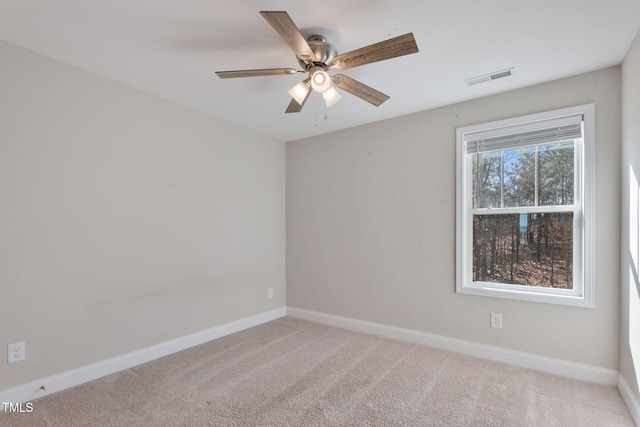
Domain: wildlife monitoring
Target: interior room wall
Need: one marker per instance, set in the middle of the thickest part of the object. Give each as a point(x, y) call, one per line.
point(126, 220)
point(371, 226)
point(630, 289)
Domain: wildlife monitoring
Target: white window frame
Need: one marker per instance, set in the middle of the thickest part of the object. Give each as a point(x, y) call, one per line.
point(583, 226)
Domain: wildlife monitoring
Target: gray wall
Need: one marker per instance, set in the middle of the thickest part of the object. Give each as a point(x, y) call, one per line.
point(126, 220)
point(371, 227)
point(630, 301)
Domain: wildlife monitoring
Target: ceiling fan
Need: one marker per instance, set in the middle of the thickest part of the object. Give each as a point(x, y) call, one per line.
point(317, 57)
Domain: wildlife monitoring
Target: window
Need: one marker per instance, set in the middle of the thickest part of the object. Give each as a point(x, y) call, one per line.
point(525, 214)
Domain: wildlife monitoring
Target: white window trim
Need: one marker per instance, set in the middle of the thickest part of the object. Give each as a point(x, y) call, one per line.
point(583, 294)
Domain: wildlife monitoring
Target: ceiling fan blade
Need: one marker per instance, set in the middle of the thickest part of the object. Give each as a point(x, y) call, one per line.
point(284, 25)
point(392, 48)
point(256, 73)
point(360, 90)
point(294, 107)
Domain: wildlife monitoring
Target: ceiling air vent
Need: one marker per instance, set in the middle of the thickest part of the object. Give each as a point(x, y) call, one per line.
point(491, 76)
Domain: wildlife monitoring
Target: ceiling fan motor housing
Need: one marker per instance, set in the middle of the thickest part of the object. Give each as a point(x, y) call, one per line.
point(324, 53)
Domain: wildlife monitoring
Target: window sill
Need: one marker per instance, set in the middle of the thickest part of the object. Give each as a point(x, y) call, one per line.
point(531, 295)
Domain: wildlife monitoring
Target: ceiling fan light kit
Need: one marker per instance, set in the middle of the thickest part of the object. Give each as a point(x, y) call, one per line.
point(316, 56)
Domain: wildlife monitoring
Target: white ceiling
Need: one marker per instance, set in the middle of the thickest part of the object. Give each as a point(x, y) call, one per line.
point(172, 48)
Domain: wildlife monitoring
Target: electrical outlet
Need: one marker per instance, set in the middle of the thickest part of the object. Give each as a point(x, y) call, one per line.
point(496, 320)
point(15, 352)
point(270, 293)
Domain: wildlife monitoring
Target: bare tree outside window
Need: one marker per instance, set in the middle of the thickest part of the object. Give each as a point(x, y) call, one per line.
point(542, 258)
point(529, 249)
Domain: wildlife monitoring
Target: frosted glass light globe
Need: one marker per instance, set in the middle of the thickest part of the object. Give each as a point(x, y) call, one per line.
point(320, 81)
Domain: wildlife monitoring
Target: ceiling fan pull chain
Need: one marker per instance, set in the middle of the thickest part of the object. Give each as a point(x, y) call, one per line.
point(325, 109)
point(316, 102)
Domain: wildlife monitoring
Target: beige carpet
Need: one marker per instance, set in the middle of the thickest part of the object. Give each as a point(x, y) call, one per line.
point(291, 372)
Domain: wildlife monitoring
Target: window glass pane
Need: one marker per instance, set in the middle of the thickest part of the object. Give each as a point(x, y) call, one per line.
point(524, 249)
point(520, 177)
point(486, 180)
point(555, 174)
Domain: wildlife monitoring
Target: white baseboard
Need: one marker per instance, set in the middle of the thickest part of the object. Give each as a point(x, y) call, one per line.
point(564, 368)
point(64, 380)
point(629, 399)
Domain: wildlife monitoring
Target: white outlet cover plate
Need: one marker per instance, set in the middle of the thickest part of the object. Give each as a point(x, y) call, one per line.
point(496, 320)
point(15, 352)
